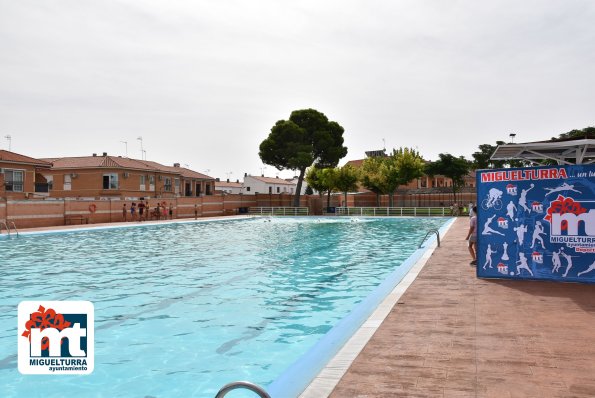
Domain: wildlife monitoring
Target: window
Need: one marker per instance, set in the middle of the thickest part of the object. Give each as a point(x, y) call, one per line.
point(167, 184)
point(278, 189)
point(177, 185)
point(198, 190)
point(247, 189)
point(67, 182)
point(110, 181)
point(151, 183)
point(13, 180)
point(143, 180)
point(208, 189)
point(270, 189)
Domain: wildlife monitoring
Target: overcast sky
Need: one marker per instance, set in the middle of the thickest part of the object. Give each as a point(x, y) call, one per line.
point(203, 82)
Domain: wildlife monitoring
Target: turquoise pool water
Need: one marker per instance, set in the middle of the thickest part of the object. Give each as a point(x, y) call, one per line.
point(182, 309)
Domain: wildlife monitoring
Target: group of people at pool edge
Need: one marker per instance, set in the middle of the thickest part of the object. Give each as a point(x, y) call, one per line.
point(161, 211)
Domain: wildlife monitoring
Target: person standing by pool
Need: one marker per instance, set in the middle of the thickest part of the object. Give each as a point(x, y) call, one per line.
point(124, 212)
point(141, 210)
point(158, 210)
point(133, 211)
point(171, 211)
point(147, 210)
point(472, 236)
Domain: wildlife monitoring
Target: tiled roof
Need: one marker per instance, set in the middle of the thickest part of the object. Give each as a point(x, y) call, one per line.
point(181, 170)
point(7, 156)
point(83, 162)
point(355, 163)
point(271, 180)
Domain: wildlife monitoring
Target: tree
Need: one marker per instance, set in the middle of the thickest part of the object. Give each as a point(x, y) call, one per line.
point(371, 177)
point(587, 132)
point(307, 138)
point(482, 157)
point(452, 167)
point(309, 190)
point(346, 180)
point(383, 175)
point(400, 168)
point(322, 179)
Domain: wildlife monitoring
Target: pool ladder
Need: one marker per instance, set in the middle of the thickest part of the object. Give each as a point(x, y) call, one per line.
point(430, 232)
point(7, 226)
point(242, 384)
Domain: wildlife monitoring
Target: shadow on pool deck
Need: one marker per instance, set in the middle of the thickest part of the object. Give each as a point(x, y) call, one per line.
point(454, 335)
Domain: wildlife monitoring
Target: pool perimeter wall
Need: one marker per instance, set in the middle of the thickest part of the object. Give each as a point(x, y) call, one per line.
point(294, 380)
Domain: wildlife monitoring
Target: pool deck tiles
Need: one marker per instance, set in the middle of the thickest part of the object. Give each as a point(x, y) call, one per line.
point(454, 335)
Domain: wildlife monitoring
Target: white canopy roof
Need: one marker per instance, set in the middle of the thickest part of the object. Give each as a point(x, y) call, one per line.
point(581, 151)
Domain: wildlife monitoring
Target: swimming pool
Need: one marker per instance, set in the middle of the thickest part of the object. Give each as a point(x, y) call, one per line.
point(182, 309)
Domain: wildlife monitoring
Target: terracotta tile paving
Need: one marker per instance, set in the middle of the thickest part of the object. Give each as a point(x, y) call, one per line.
point(453, 335)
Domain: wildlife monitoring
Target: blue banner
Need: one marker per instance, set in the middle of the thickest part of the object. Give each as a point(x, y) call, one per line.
point(537, 223)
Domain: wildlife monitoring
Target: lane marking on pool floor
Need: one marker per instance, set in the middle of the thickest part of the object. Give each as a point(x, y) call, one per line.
point(326, 381)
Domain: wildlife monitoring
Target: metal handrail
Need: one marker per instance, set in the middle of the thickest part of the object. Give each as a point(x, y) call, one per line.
point(279, 211)
point(14, 226)
point(5, 226)
point(242, 384)
point(391, 211)
point(431, 231)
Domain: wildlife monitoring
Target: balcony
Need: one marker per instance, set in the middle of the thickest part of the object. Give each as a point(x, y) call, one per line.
point(42, 187)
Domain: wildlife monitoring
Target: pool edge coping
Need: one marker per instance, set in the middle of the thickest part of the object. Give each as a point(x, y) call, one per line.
point(323, 384)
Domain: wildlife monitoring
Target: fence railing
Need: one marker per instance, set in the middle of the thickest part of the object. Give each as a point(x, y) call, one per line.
point(279, 211)
point(393, 211)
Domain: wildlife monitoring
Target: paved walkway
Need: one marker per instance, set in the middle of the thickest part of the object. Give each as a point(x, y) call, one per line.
point(453, 335)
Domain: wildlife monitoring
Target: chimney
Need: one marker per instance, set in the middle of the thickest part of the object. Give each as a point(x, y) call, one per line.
point(217, 179)
point(104, 154)
point(94, 155)
point(176, 165)
point(238, 180)
point(245, 174)
point(262, 175)
point(276, 176)
point(228, 180)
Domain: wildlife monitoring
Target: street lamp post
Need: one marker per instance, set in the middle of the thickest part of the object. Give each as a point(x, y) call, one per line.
point(512, 135)
point(142, 151)
point(126, 146)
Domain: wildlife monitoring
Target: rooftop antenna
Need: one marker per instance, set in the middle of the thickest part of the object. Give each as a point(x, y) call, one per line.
point(9, 139)
point(207, 171)
point(126, 144)
point(262, 169)
point(383, 144)
point(142, 151)
point(186, 165)
point(228, 174)
point(512, 135)
point(144, 157)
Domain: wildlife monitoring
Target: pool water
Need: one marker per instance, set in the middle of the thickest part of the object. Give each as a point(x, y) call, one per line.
point(182, 309)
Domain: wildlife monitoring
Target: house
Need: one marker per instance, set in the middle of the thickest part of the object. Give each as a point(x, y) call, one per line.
point(189, 182)
point(229, 187)
point(21, 176)
point(107, 177)
point(262, 184)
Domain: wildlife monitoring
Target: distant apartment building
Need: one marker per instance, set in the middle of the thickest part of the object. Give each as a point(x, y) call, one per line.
point(261, 184)
point(120, 177)
point(22, 176)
